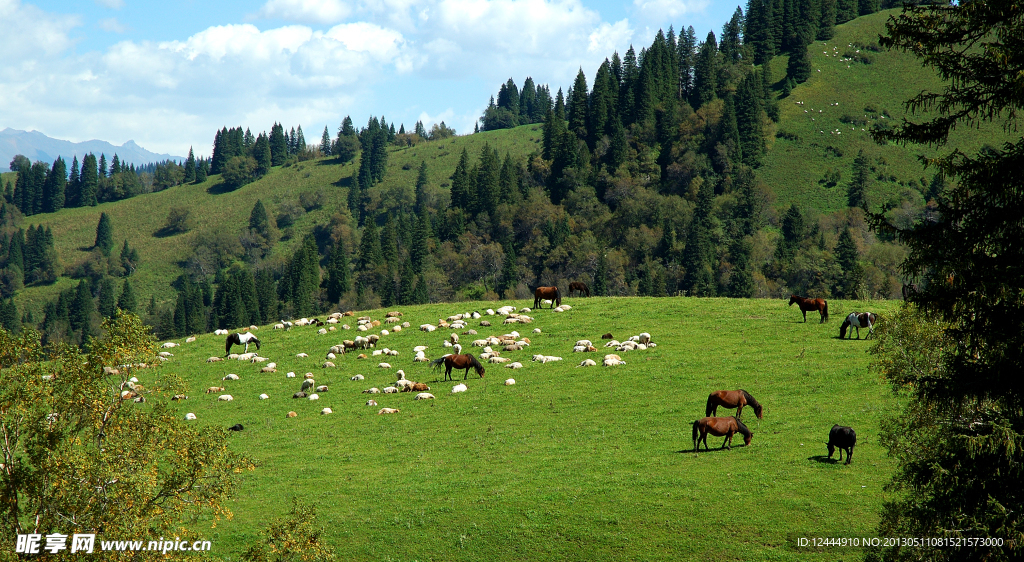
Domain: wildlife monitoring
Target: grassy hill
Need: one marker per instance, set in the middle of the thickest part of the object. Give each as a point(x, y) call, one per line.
point(825, 121)
point(569, 463)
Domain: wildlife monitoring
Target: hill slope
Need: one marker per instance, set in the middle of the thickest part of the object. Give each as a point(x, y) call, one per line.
point(569, 463)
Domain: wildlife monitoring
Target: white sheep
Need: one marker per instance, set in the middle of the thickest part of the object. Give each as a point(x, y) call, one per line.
point(424, 396)
point(290, 375)
point(588, 363)
point(169, 345)
point(308, 384)
point(327, 364)
point(190, 416)
point(225, 398)
point(373, 390)
point(264, 397)
point(357, 378)
point(515, 365)
point(384, 365)
point(301, 355)
point(459, 388)
point(313, 397)
point(371, 402)
point(326, 411)
point(510, 382)
point(390, 389)
point(230, 377)
point(322, 331)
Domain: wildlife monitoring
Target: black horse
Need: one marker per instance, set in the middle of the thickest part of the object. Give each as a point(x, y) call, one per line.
point(241, 339)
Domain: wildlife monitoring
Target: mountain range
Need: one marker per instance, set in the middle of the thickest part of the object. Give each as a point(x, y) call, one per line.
point(37, 146)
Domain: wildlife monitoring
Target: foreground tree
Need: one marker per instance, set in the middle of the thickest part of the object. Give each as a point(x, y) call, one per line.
point(962, 457)
point(80, 458)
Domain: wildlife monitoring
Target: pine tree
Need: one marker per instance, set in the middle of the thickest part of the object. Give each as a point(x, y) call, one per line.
point(750, 119)
point(827, 20)
point(601, 276)
point(846, 10)
point(705, 73)
point(266, 296)
point(55, 187)
point(325, 142)
point(89, 181)
point(848, 259)
point(339, 278)
point(202, 170)
point(419, 250)
point(699, 254)
point(103, 165)
point(259, 222)
point(799, 66)
point(104, 235)
point(261, 153)
point(81, 310)
point(463, 192)
point(488, 188)
point(577, 106)
point(127, 301)
point(106, 304)
point(857, 192)
point(278, 145)
point(420, 294)
point(73, 192)
point(190, 167)
point(9, 319)
point(741, 282)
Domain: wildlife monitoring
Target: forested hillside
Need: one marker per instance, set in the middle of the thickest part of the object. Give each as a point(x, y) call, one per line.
point(679, 169)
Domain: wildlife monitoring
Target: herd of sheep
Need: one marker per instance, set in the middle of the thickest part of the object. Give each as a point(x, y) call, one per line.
point(495, 349)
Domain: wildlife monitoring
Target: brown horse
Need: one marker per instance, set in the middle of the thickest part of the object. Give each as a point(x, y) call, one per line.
point(719, 427)
point(821, 305)
point(547, 293)
point(453, 361)
point(580, 287)
point(732, 399)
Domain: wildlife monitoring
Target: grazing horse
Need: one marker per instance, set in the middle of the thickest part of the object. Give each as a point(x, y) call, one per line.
point(719, 427)
point(732, 399)
point(580, 287)
point(858, 320)
point(844, 438)
point(451, 361)
point(239, 339)
point(547, 293)
point(821, 305)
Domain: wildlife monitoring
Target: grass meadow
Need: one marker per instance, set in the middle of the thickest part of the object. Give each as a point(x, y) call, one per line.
point(569, 463)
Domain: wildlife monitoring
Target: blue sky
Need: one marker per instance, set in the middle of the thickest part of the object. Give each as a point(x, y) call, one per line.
point(167, 75)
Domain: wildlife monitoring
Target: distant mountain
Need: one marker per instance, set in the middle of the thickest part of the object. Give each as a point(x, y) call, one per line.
point(37, 146)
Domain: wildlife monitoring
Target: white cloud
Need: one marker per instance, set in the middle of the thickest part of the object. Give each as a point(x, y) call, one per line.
point(607, 37)
point(112, 4)
point(112, 25)
point(306, 11)
point(660, 10)
point(28, 31)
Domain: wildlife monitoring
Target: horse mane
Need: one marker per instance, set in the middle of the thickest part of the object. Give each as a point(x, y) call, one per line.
point(475, 362)
point(752, 401)
point(742, 428)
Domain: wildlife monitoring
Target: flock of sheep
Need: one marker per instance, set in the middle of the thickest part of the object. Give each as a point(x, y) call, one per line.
point(372, 345)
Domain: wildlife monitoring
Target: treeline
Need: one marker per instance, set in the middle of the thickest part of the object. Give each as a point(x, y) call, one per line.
point(515, 107)
point(27, 257)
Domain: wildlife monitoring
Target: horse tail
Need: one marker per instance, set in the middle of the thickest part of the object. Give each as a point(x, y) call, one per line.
point(825, 310)
point(436, 363)
point(710, 406)
point(696, 430)
point(558, 297)
point(227, 345)
point(587, 289)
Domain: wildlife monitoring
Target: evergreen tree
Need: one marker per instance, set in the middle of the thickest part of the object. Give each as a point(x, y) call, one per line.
point(81, 310)
point(55, 187)
point(266, 296)
point(731, 45)
point(699, 254)
point(686, 55)
point(72, 194)
point(89, 182)
point(103, 165)
point(827, 20)
point(106, 304)
point(127, 301)
point(857, 193)
point(741, 282)
point(420, 294)
point(422, 181)
point(846, 10)
point(259, 222)
point(278, 145)
point(463, 190)
point(577, 106)
point(9, 319)
point(407, 283)
point(419, 249)
point(750, 119)
point(104, 235)
point(325, 142)
point(339, 278)
point(799, 66)
point(488, 188)
point(202, 170)
point(190, 167)
point(261, 153)
point(509, 276)
point(848, 260)
point(300, 141)
point(705, 73)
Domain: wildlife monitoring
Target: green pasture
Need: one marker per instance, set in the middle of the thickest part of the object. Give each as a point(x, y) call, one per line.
point(569, 463)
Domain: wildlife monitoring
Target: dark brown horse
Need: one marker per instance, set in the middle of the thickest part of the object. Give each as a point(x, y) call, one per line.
point(580, 287)
point(453, 361)
point(821, 305)
point(732, 399)
point(547, 293)
point(719, 427)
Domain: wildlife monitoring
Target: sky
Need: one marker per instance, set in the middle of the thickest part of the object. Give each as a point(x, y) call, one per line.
point(169, 74)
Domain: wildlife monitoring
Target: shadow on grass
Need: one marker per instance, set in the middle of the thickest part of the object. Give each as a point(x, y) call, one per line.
point(822, 459)
point(167, 232)
point(221, 188)
point(711, 450)
point(344, 182)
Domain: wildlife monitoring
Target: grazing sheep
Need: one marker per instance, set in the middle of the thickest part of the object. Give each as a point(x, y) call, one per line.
point(264, 397)
point(485, 323)
point(510, 382)
point(644, 338)
point(165, 354)
point(214, 359)
point(292, 415)
point(322, 388)
point(549, 358)
point(301, 355)
point(307, 384)
point(313, 397)
point(515, 365)
point(373, 390)
point(177, 397)
point(331, 356)
point(377, 352)
point(328, 364)
point(580, 349)
point(387, 411)
point(190, 416)
point(362, 328)
point(607, 336)
point(278, 326)
point(361, 356)
point(371, 402)
point(139, 399)
point(390, 390)
point(308, 376)
point(498, 359)
point(588, 363)
point(268, 369)
point(424, 396)
point(420, 359)
point(392, 320)
point(459, 388)
point(220, 332)
point(230, 377)
point(326, 411)
point(300, 395)
point(357, 378)
point(169, 345)
point(613, 343)
point(384, 365)
point(232, 356)
point(403, 383)
point(225, 398)
point(290, 375)
point(420, 348)
point(213, 389)
point(427, 327)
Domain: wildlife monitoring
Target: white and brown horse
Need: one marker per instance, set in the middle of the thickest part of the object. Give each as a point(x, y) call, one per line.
point(241, 339)
point(858, 320)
